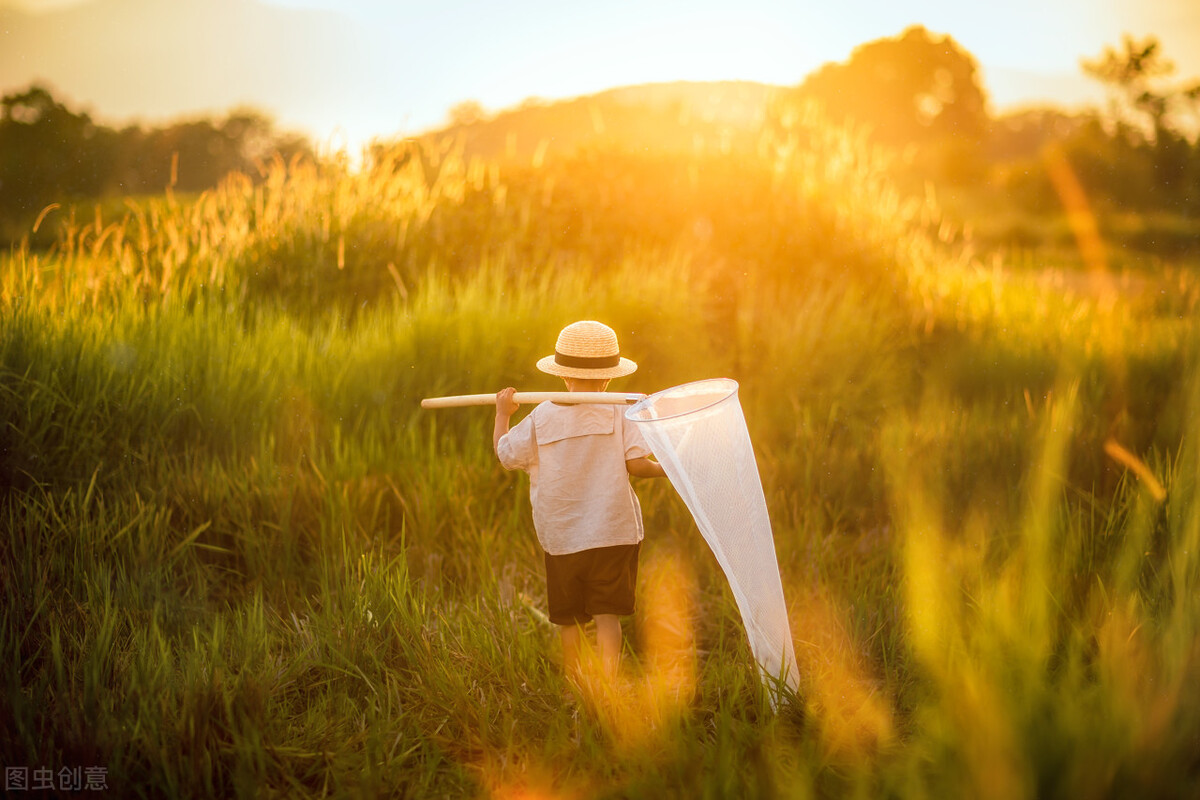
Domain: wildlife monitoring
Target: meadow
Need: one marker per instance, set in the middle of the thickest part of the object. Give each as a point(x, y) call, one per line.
point(241, 561)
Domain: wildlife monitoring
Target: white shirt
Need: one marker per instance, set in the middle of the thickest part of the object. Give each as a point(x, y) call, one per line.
point(578, 483)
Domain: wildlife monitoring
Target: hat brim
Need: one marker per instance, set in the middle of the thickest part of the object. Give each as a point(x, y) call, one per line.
point(549, 366)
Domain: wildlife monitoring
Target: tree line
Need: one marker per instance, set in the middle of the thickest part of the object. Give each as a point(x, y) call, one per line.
point(922, 93)
point(51, 154)
point(917, 93)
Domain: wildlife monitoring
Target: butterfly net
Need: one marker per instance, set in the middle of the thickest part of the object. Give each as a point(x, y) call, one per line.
point(698, 433)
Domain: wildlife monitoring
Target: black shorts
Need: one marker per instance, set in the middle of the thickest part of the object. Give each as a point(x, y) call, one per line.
point(598, 581)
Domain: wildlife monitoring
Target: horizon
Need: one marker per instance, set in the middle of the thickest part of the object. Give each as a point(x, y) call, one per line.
point(345, 73)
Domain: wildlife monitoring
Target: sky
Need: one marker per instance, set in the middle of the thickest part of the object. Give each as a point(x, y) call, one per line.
point(344, 72)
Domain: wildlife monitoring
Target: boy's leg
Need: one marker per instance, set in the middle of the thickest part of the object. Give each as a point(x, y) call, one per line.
point(571, 639)
point(564, 594)
point(611, 582)
point(608, 638)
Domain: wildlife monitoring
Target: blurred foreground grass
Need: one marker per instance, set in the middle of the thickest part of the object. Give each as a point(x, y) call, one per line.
point(240, 561)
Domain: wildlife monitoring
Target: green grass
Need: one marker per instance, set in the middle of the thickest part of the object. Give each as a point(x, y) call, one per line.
point(241, 561)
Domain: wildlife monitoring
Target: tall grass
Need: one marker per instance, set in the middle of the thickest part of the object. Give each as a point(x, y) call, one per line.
point(240, 560)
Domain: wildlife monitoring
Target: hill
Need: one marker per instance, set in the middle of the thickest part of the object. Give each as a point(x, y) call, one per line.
point(678, 117)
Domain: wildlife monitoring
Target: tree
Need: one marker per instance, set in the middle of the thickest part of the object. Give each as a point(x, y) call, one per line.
point(912, 89)
point(50, 154)
point(468, 112)
point(47, 152)
point(1133, 76)
point(1152, 116)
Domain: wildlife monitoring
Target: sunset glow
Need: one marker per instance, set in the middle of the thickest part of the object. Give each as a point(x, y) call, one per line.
point(348, 71)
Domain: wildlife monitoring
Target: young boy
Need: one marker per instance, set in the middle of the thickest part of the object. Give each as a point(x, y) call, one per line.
point(586, 514)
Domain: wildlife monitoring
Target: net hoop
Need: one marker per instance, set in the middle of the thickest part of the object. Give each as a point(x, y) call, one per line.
point(646, 408)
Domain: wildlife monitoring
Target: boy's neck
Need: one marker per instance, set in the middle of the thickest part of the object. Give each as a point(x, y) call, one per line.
point(586, 384)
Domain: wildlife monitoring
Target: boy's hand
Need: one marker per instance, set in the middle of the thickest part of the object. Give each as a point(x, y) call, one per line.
point(644, 468)
point(505, 405)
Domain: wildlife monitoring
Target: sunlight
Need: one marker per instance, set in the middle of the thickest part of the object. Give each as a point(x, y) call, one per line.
point(358, 85)
point(1122, 456)
point(852, 711)
point(1079, 216)
point(668, 636)
point(506, 778)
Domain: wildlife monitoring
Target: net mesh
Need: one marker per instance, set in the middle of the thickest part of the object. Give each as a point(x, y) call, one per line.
point(698, 433)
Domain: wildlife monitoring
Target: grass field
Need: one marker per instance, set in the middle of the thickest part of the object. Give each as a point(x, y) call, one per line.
point(241, 561)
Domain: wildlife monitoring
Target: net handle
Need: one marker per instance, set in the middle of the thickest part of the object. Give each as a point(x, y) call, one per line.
point(569, 398)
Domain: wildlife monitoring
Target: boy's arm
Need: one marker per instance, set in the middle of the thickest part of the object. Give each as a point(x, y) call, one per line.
point(505, 408)
point(644, 468)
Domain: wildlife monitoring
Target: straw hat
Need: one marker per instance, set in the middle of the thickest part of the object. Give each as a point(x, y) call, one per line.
point(587, 349)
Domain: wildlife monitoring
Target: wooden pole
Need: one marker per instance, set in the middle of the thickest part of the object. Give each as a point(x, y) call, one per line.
point(570, 398)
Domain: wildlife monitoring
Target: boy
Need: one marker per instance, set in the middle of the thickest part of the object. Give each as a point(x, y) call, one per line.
point(587, 517)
